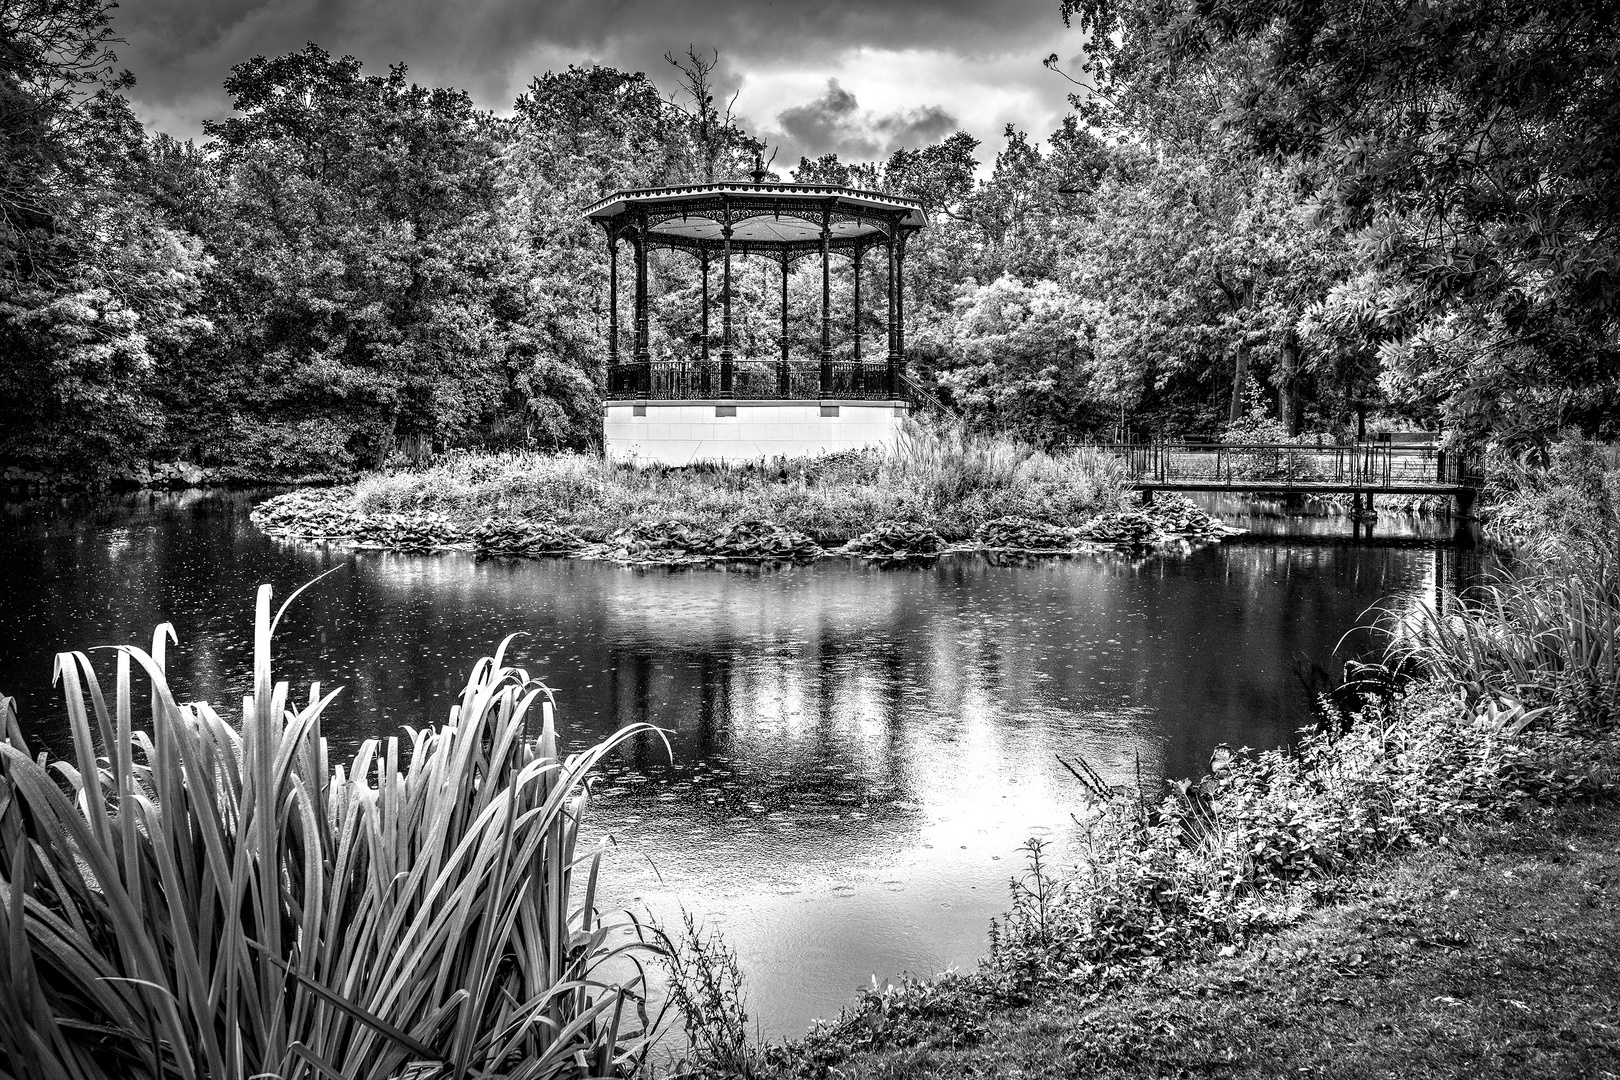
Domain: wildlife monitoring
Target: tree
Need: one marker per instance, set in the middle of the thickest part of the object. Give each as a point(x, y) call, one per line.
point(58, 85)
point(359, 262)
point(579, 135)
point(830, 171)
point(938, 176)
point(1475, 140)
point(1199, 275)
point(718, 147)
point(96, 290)
point(1017, 213)
point(612, 124)
point(1022, 361)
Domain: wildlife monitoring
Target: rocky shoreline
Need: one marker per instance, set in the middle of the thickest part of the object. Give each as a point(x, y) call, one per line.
point(325, 515)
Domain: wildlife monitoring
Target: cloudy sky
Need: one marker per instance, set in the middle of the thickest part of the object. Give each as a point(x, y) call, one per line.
point(856, 76)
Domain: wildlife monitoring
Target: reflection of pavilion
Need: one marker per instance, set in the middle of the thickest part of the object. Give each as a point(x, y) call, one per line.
point(679, 411)
point(702, 610)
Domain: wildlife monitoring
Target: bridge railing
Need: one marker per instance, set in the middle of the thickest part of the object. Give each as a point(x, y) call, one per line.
point(1368, 465)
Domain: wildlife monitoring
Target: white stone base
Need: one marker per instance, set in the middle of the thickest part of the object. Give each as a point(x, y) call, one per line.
point(687, 432)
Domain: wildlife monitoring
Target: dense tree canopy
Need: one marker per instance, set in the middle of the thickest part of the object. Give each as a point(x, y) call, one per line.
point(1334, 214)
point(1472, 144)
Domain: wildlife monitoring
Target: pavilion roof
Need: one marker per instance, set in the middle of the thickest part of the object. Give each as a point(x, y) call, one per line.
point(784, 217)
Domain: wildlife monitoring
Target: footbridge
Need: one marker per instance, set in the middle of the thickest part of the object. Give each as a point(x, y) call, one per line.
point(1359, 469)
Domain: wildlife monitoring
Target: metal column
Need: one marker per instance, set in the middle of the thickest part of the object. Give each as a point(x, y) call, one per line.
point(893, 373)
point(643, 356)
point(826, 306)
point(703, 257)
point(613, 316)
point(782, 365)
point(725, 324)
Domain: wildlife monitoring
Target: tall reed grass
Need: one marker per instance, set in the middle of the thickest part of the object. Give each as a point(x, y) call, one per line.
point(1537, 639)
point(938, 475)
point(190, 898)
point(1546, 635)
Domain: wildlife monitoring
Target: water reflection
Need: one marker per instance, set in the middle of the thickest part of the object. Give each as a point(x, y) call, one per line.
point(858, 752)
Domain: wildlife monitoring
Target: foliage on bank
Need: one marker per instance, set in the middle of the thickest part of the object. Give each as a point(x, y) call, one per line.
point(1211, 867)
point(213, 899)
point(1502, 704)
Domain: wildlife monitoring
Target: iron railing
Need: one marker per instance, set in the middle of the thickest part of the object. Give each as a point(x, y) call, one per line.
point(1364, 465)
point(755, 380)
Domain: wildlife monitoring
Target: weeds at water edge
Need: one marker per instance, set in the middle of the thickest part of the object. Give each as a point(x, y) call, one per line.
point(705, 987)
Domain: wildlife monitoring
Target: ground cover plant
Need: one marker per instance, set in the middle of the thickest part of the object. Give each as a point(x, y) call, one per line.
point(940, 476)
point(191, 897)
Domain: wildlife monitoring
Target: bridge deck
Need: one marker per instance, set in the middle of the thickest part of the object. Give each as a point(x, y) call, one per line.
point(1355, 468)
point(1326, 487)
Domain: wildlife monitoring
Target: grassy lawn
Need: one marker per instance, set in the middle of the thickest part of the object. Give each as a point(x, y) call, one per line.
point(1494, 955)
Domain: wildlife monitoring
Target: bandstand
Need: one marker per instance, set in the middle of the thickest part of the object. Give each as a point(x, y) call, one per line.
point(738, 408)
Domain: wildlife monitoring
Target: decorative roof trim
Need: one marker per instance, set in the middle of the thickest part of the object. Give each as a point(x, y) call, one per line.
point(620, 201)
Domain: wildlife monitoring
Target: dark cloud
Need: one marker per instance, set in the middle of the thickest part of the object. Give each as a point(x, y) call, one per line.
point(182, 50)
point(823, 124)
point(834, 122)
point(915, 127)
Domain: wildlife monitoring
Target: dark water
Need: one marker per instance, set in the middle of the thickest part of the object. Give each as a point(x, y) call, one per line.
point(859, 753)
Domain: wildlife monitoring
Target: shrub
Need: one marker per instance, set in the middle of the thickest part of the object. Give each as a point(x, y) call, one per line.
point(1270, 454)
point(1567, 505)
point(705, 985)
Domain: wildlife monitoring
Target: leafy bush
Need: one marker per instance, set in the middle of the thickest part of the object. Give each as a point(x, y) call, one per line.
point(1246, 850)
point(1271, 457)
point(267, 450)
point(1567, 504)
point(214, 900)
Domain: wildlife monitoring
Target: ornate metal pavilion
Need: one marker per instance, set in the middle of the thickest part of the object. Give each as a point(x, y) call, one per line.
point(784, 222)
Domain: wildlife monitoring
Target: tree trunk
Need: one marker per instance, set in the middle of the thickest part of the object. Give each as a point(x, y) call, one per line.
point(1240, 382)
point(1287, 398)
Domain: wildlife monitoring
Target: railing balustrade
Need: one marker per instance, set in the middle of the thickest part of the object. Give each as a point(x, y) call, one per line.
point(1365, 465)
point(754, 380)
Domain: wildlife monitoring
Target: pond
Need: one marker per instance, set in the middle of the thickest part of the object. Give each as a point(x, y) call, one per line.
point(859, 753)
